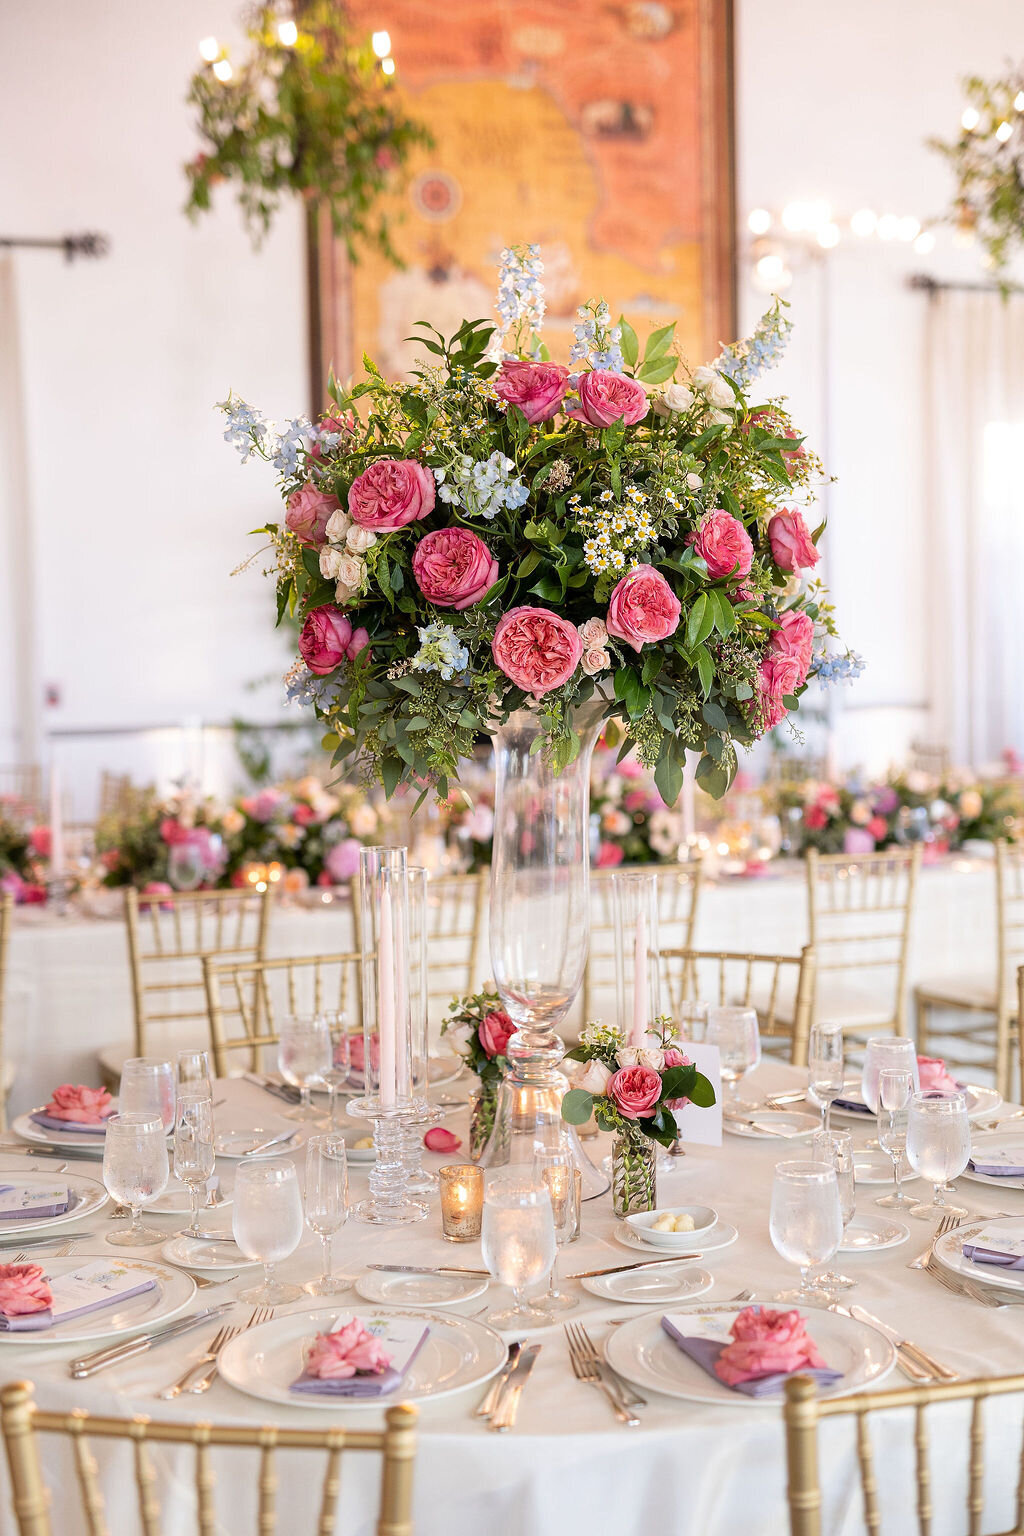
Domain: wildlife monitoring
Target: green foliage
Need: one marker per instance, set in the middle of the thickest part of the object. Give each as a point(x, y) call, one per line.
point(986, 159)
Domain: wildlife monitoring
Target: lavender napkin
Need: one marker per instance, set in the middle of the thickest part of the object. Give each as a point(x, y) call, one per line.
point(997, 1245)
point(995, 1169)
point(50, 1123)
point(349, 1386)
point(32, 1212)
point(35, 1322)
point(705, 1352)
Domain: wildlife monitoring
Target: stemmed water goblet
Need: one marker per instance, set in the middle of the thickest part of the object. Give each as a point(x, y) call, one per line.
point(303, 1056)
point(886, 1051)
point(135, 1171)
point(806, 1222)
point(194, 1153)
point(518, 1241)
point(555, 1171)
point(326, 1204)
point(735, 1032)
point(147, 1088)
point(836, 1147)
point(825, 1067)
point(266, 1220)
point(336, 1075)
point(938, 1147)
point(895, 1090)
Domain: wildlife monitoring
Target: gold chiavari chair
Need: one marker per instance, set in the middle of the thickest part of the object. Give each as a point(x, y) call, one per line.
point(991, 997)
point(803, 1412)
point(860, 909)
point(22, 783)
point(23, 1425)
point(117, 793)
point(169, 936)
point(679, 887)
point(6, 1076)
point(929, 757)
point(780, 987)
point(787, 770)
point(260, 993)
point(455, 915)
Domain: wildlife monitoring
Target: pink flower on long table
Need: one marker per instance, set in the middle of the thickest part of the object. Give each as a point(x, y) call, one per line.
point(642, 608)
point(635, 1091)
point(536, 650)
point(80, 1105)
point(454, 568)
point(764, 1343)
point(536, 389)
point(23, 1289)
point(348, 1351)
point(391, 494)
point(606, 397)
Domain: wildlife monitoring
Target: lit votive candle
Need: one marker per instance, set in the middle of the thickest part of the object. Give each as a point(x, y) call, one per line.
point(462, 1201)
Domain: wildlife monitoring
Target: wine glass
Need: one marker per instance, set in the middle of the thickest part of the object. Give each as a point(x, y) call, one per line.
point(518, 1240)
point(194, 1155)
point(806, 1222)
point(186, 867)
point(938, 1147)
point(886, 1051)
point(825, 1067)
point(326, 1204)
point(836, 1147)
point(266, 1220)
point(895, 1090)
point(303, 1056)
point(336, 1075)
point(192, 1070)
point(735, 1032)
point(554, 1170)
point(147, 1088)
point(135, 1171)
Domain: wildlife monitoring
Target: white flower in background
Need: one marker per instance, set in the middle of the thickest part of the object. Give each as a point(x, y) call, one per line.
point(351, 571)
point(289, 835)
point(665, 833)
point(616, 822)
point(715, 389)
point(678, 397)
point(479, 824)
point(232, 821)
point(720, 418)
point(459, 1037)
point(652, 1056)
point(922, 784)
point(338, 525)
point(594, 632)
point(628, 1056)
point(343, 594)
point(358, 540)
point(362, 822)
point(860, 813)
point(593, 1077)
point(330, 562)
point(694, 481)
point(969, 804)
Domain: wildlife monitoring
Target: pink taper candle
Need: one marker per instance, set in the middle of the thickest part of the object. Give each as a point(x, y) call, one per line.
point(386, 1002)
point(640, 1019)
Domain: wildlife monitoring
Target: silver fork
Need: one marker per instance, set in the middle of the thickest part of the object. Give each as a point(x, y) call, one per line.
point(946, 1224)
point(65, 1250)
point(205, 1382)
point(220, 1338)
point(624, 1390)
point(959, 1287)
point(585, 1370)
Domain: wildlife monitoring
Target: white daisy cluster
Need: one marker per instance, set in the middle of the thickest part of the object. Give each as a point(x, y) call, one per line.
point(620, 529)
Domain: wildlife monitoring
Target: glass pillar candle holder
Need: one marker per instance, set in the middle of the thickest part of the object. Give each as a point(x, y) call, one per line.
point(462, 1201)
point(420, 1114)
point(384, 936)
point(637, 974)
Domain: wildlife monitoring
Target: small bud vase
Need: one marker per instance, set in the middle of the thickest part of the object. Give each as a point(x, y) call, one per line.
point(634, 1175)
point(482, 1104)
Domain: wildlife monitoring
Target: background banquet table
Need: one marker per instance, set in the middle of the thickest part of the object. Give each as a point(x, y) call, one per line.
point(690, 1470)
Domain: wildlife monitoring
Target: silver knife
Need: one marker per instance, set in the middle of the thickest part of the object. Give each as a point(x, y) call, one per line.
point(88, 1365)
point(618, 1269)
point(504, 1416)
point(935, 1367)
point(64, 1236)
point(272, 1141)
point(276, 1090)
point(497, 1386)
point(418, 1269)
point(21, 1150)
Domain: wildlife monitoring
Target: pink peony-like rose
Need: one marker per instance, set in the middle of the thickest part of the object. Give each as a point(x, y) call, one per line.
point(536, 389)
point(308, 512)
point(346, 1352)
point(325, 638)
point(437, 1139)
point(496, 1030)
point(536, 649)
point(454, 568)
point(766, 1343)
point(23, 1289)
point(724, 545)
point(790, 538)
point(635, 1091)
point(593, 1076)
point(858, 840)
point(391, 494)
point(606, 397)
point(794, 637)
point(609, 855)
point(934, 1076)
point(776, 678)
point(172, 832)
point(674, 1057)
point(878, 827)
point(80, 1105)
point(41, 842)
point(360, 640)
point(342, 862)
point(642, 608)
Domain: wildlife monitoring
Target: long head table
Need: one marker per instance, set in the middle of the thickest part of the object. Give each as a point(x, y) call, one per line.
point(689, 1470)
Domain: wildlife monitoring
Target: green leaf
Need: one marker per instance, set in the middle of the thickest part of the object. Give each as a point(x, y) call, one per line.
point(330, 741)
point(658, 342)
point(695, 620)
point(715, 746)
point(653, 663)
point(311, 563)
point(715, 716)
point(668, 773)
point(528, 563)
point(657, 372)
point(713, 777)
point(577, 1106)
point(702, 1093)
point(390, 774)
point(705, 669)
point(409, 685)
point(629, 343)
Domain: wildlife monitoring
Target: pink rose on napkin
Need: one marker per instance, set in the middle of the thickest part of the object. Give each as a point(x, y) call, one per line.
point(766, 1343)
point(454, 568)
point(438, 1139)
point(934, 1077)
point(391, 494)
point(536, 649)
point(536, 389)
point(606, 397)
point(642, 608)
point(724, 545)
point(23, 1289)
point(635, 1091)
point(79, 1105)
point(309, 511)
point(790, 538)
point(496, 1031)
point(347, 1352)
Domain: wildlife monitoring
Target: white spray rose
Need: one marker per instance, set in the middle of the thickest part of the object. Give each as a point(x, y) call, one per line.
point(330, 562)
point(678, 397)
point(715, 389)
point(594, 1078)
point(350, 571)
point(338, 525)
point(358, 540)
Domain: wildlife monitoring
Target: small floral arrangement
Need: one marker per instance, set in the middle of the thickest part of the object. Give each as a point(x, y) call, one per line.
point(765, 1342)
point(24, 1288)
point(633, 1090)
point(986, 158)
point(349, 1351)
point(478, 1029)
point(24, 855)
point(633, 823)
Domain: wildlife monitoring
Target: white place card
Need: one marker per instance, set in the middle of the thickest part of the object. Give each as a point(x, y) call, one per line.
point(96, 1284)
point(998, 1238)
point(703, 1127)
point(31, 1200)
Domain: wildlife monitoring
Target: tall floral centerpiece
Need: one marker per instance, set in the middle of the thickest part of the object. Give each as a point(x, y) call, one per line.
point(511, 545)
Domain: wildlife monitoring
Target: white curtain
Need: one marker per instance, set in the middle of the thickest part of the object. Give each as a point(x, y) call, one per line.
point(19, 693)
point(974, 530)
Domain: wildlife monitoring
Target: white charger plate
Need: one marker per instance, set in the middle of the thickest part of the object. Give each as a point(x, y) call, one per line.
point(206, 1253)
point(86, 1196)
point(873, 1166)
point(460, 1353)
point(948, 1251)
point(238, 1142)
point(393, 1290)
point(792, 1125)
point(171, 1294)
point(722, 1235)
point(667, 1284)
point(1009, 1141)
point(82, 1143)
point(870, 1234)
point(981, 1102)
point(641, 1351)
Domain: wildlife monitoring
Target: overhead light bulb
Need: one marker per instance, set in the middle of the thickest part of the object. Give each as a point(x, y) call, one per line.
point(888, 227)
point(924, 243)
point(863, 222)
point(381, 44)
point(818, 215)
point(970, 118)
point(1018, 102)
point(288, 33)
point(759, 221)
point(828, 236)
point(771, 275)
point(388, 66)
point(222, 69)
point(1003, 132)
point(794, 216)
point(209, 49)
point(909, 229)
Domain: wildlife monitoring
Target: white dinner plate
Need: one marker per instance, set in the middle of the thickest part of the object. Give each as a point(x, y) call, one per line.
point(82, 1143)
point(460, 1352)
point(981, 1102)
point(779, 1125)
point(869, 1234)
point(238, 1142)
point(391, 1290)
point(641, 1351)
point(206, 1253)
point(358, 1154)
point(873, 1166)
point(1008, 1141)
point(176, 1201)
point(85, 1196)
point(171, 1294)
point(444, 1069)
point(948, 1251)
point(668, 1283)
point(720, 1236)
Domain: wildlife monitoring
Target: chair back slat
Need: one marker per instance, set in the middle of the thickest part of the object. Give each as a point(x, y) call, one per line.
point(868, 1485)
point(922, 1470)
point(329, 1495)
point(145, 1481)
point(780, 987)
point(206, 1517)
point(679, 887)
point(257, 995)
point(88, 1484)
point(268, 1484)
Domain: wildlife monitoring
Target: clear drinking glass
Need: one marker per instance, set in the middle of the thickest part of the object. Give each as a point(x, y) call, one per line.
point(266, 1219)
point(135, 1172)
point(186, 867)
point(895, 1090)
point(192, 1070)
point(886, 1051)
point(194, 1154)
point(938, 1147)
point(303, 1056)
point(518, 1241)
point(336, 1075)
point(147, 1088)
point(326, 1204)
point(555, 1171)
point(836, 1147)
point(691, 1019)
point(825, 1064)
point(806, 1222)
point(735, 1032)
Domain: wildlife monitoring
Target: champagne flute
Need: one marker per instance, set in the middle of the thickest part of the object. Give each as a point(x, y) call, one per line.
point(194, 1155)
point(135, 1171)
point(806, 1222)
point(303, 1056)
point(735, 1032)
point(836, 1147)
point(326, 1204)
point(825, 1067)
point(336, 1075)
point(555, 1170)
point(266, 1220)
point(192, 1070)
point(147, 1088)
point(895, 1091)
point(886, 1051)
point(518, 1241)
point(938, 1147)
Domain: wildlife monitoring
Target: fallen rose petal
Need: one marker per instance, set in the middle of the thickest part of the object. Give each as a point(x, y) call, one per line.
point(440, 1140)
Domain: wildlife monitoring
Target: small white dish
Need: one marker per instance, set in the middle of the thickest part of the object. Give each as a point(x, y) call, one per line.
point(359, 1154)
point(721, 1236)
point(419, 1290)
point(705, 1218)
point(776, 1125)
point(870, 1234)
point(650, 1287)
point(206, 1253)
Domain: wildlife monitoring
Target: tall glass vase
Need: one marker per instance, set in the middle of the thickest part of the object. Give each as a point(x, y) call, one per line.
point(539, 929)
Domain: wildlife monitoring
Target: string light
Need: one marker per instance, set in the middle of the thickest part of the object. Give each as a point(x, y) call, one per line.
point(387, 66)
point(1018, 102)
point(864, 222)
point(909, 229)
point(381, 44)
point(1003, 132)
point(288, 33)
point(222, 69)
point(888, 227)
point(759, 221)
point(924, 243)
point(209, 49)
point(828, 236)
point(970, 118)
point(814, 221)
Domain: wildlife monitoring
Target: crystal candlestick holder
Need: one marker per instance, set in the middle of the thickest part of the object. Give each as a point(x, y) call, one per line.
point(389, 1203)
point(419, 1116)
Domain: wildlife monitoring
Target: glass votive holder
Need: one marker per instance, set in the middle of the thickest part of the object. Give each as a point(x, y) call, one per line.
point(462, 1201)
point(577, 1206)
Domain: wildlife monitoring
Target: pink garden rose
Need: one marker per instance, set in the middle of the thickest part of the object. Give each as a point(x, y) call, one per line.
point(766, 1343)
point(80, 1105)
point(642, 608)
point(794, 637)
point(173, 832)
point(40, 842)
point(607, 397)
point(391, 494)
point(454, 568)
point(609, 855)
point(593, 1077)
point(308, 512)
point(342, 862)
point(635, 1091)
point(777, 677)
point(536, 649)
point(23, 1289)
point(724, 545)
point(934, 1076)
point(346, 1352)
point(792, 546)
point(674, 1057)
point(496, 1031)
point(327, 638)
point(537, 389)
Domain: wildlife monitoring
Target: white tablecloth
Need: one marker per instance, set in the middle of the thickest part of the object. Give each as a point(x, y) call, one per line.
point(568, 1468)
